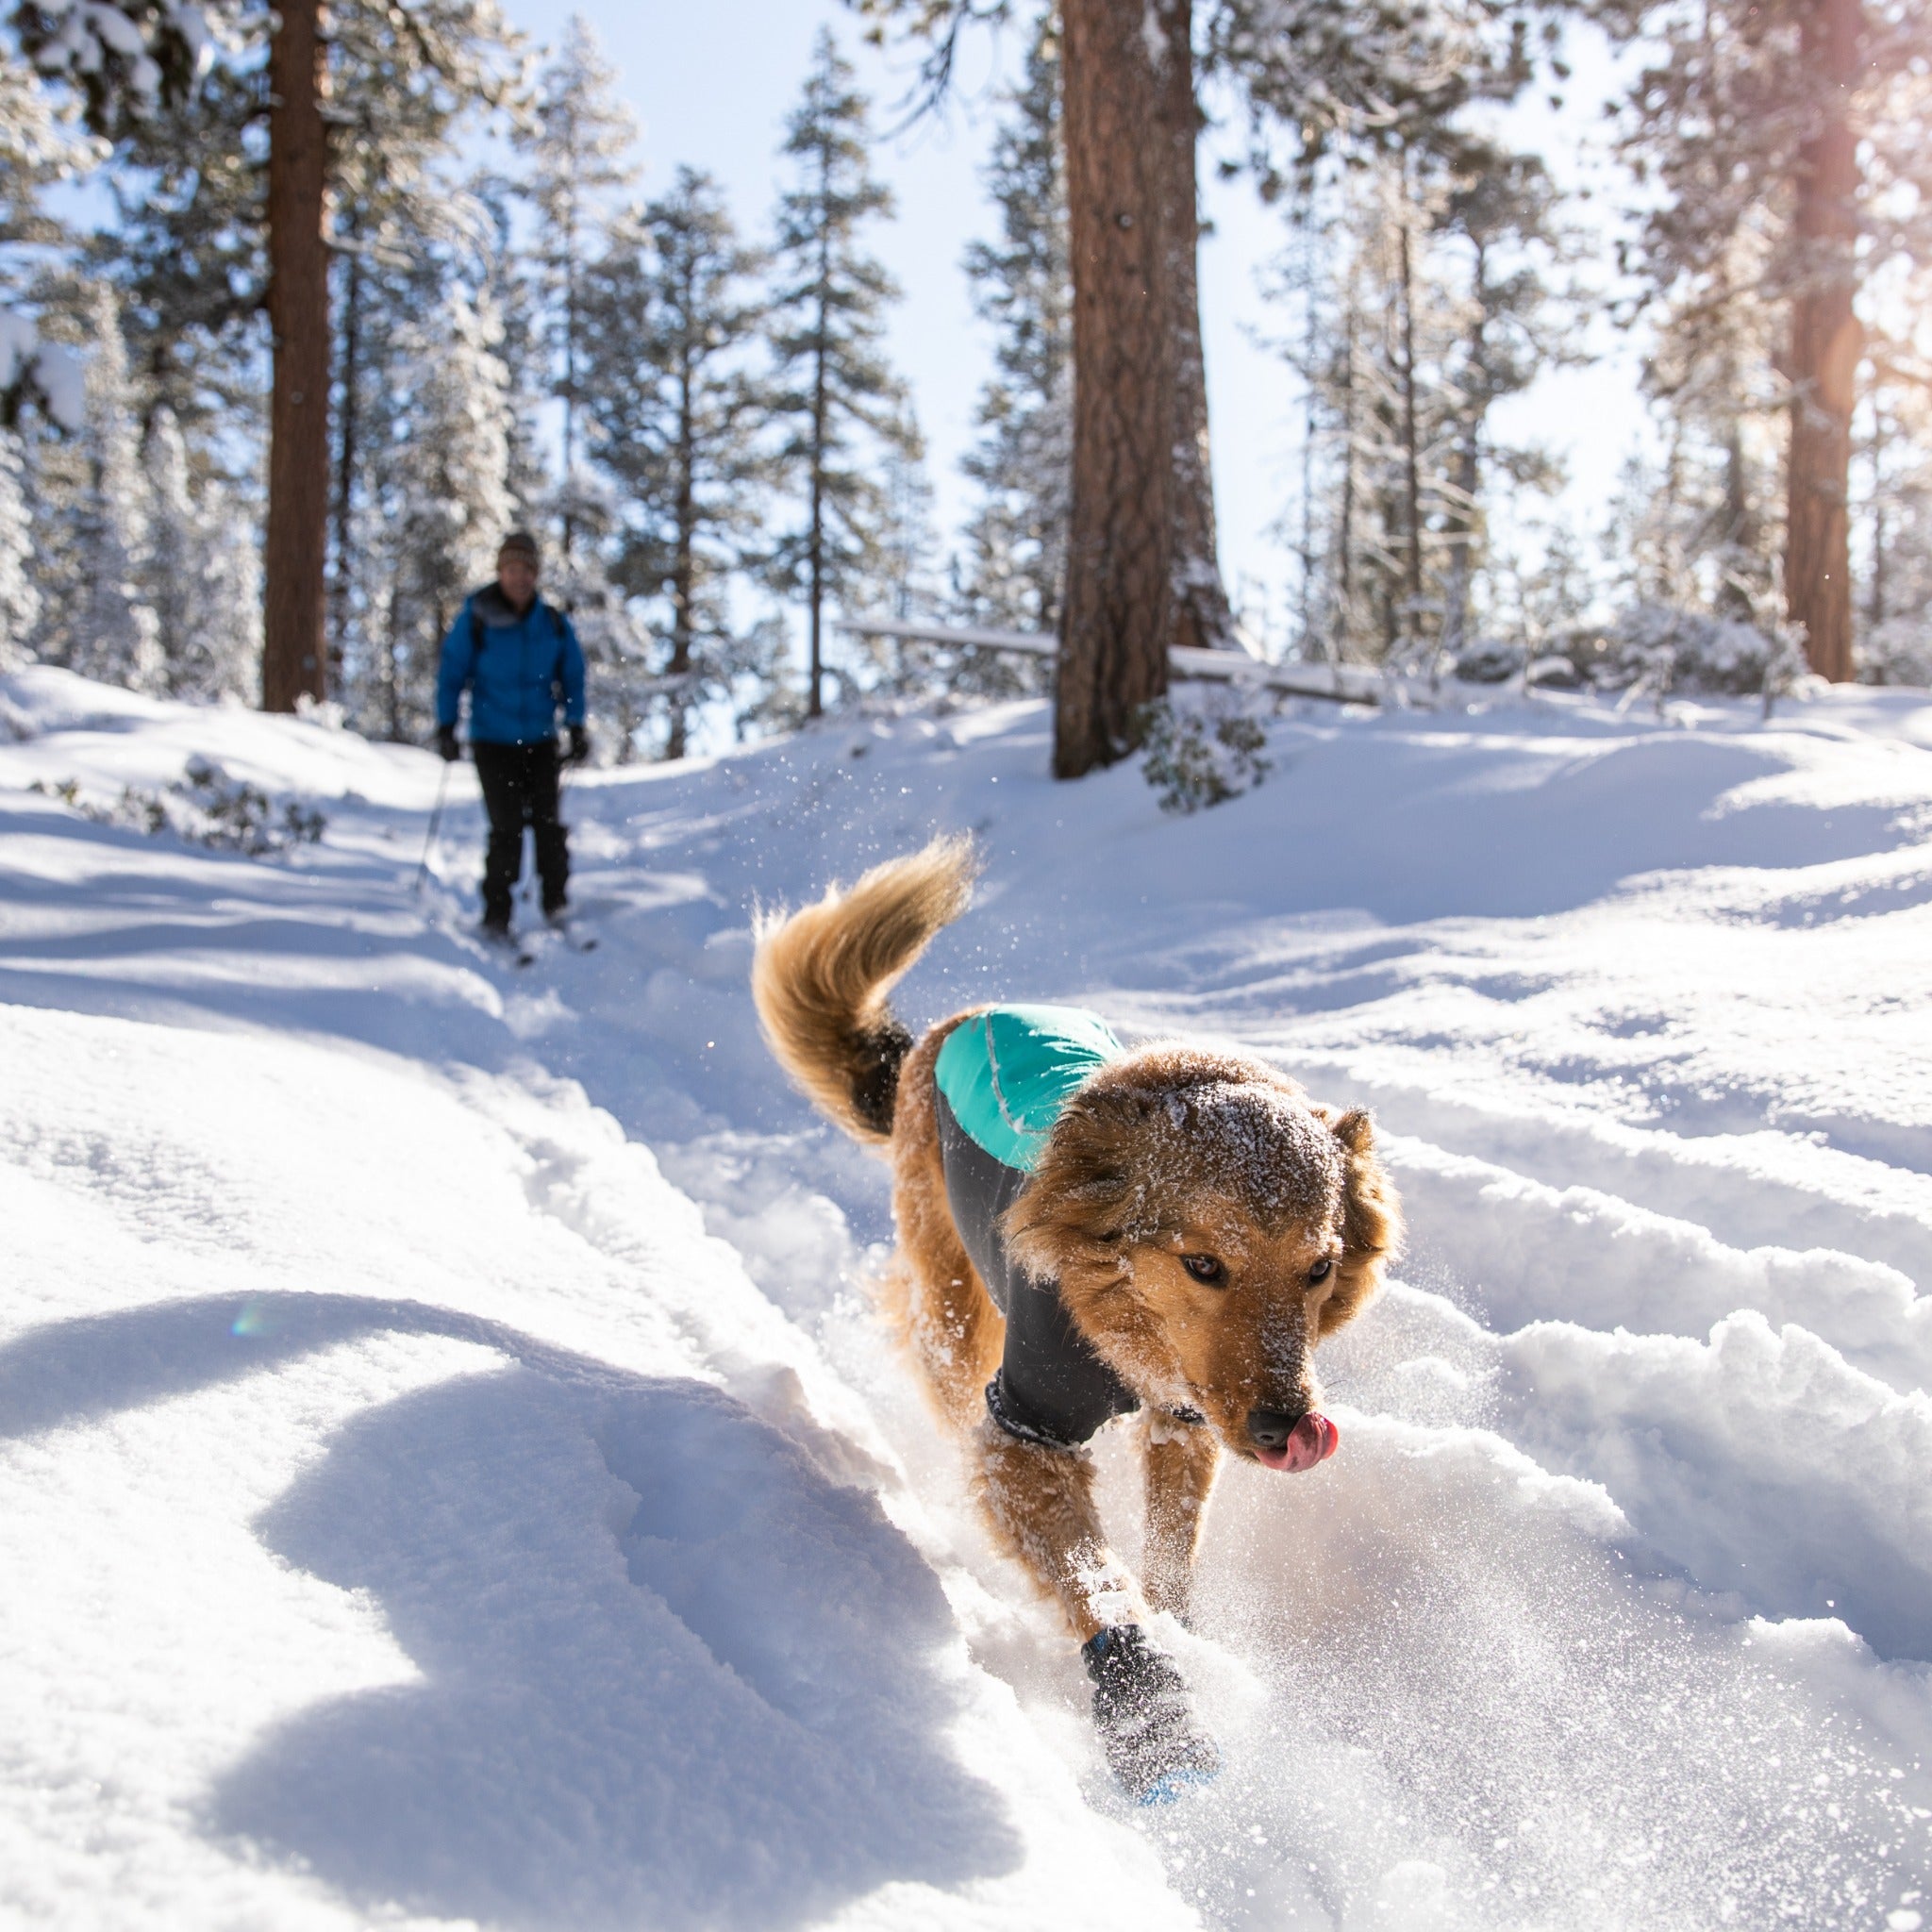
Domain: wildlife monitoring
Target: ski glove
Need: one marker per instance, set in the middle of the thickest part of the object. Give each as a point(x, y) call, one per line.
point(446, 743)
point(1146, 1726)
point(579, 744)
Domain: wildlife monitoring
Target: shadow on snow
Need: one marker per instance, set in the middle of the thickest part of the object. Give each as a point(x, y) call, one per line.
point(669, 1672)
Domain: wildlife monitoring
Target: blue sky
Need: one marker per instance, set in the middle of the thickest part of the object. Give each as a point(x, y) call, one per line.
point(711, 84)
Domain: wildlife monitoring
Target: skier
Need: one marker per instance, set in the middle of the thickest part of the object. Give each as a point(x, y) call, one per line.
point(518, 658)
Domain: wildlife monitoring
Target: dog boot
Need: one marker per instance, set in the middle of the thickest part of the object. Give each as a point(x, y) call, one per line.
point(1146, 1726)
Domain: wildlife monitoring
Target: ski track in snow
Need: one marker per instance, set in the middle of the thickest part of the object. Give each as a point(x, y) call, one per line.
point(449, 1474)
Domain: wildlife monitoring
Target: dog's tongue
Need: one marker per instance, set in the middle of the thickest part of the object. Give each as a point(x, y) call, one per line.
point(1314, 1440)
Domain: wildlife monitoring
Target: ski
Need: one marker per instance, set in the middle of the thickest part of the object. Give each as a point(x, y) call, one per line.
point(566, 933)
point(532, 947)
point(519, 952)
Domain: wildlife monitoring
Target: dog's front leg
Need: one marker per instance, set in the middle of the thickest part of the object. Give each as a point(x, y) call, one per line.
point(1181, 1460)
point(1039, 1502)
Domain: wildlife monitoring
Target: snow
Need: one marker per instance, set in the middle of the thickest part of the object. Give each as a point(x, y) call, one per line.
point(54, 369)
point(448, 1474)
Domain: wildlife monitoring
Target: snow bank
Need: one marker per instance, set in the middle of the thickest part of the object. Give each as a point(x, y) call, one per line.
point(456, 1480)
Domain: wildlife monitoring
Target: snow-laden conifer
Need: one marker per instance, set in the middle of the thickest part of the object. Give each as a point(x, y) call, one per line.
point(576, 144)
point(20, 598)
point(107, 627)
point(1012, 575)
point(1785, 146)
point(202, 572)
point(673, 316)
point(450, 503)
point(1425, 280)
point(837, 403)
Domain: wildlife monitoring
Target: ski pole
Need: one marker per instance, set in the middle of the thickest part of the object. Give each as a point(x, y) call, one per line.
point(429, 838)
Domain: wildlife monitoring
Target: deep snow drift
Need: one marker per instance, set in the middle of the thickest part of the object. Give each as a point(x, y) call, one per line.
point(447, 1473)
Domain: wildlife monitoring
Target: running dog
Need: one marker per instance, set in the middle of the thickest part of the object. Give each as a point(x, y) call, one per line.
point(1085, 1232)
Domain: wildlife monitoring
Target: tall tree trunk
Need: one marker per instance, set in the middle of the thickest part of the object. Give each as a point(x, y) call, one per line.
point(296, 555)
point(814, 704)
point(1344, 618)
point(1734, 596)
point(1826, 346)
point(391, 669)
point(683, 563)
point(1120, 599)
point(1875, 611)
point(1475, 404)
point(1202, 617)
point(569, 382)
point(1310, 428)
point(1462, 554)
point(1411, 436)
point(342, 585)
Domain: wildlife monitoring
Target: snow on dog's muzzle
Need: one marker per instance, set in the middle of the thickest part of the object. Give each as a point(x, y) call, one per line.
point(1311, 1440)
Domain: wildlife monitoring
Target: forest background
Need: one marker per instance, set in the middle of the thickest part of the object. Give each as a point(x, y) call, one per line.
point(1498, 363)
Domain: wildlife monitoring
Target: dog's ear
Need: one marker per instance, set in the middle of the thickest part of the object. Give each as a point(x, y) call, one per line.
point(1371, 1218)
point(1089, 1187)
point(1071, 1206)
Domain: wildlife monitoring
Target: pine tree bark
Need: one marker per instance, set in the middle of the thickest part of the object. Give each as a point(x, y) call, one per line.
point(1826, 344)
point(684, 562)
point(1411, 439)
point(295, 554)
point(1120, 601)
point(1202, 617)
point(342, 583)
point(815, 542)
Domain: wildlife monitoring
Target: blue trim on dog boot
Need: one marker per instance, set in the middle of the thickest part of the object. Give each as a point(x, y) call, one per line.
point(1145, 1718)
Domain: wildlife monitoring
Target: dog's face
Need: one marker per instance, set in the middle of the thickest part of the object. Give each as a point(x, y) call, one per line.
point(1207, 1225)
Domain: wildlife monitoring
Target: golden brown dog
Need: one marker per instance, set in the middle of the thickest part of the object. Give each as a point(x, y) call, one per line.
point(1204, 1223)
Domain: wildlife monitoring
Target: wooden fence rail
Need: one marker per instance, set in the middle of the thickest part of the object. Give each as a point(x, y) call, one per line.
point(1342, 684)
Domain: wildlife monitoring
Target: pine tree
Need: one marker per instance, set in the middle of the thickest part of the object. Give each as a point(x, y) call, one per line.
point(98, 622)
point(123, 57)
point(1015, 567)
point(502, 280)
point(201, 574)
point(1143, 574)
point(1499, 217)
point(381, 69)
point(1895, 609)
point(396, 201)
point(838, 403)
point(670, 317)
point(449, 501)
point(186, 255)
point(173, 545)
point(406, 64)
point(1703, 531)
point(577, 145)
point(1785, 140)
point(1425, 302)
point(20, 597)
point(36, 151)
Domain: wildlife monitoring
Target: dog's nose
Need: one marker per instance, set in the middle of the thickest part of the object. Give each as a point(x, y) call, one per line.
point(1270, 1429)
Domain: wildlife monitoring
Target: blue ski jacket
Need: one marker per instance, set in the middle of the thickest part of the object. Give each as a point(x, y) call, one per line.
point(517, 670)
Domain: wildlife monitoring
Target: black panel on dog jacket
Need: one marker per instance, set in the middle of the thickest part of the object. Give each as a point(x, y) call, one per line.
point(1051, 1387)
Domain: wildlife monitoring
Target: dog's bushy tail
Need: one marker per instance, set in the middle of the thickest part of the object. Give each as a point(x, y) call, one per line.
point(821, 976)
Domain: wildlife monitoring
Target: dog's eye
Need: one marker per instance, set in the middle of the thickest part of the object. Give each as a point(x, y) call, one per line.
point(1322, 1270)
point(1205, 1268)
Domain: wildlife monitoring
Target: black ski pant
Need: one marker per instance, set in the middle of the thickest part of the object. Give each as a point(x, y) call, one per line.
point(520, 789)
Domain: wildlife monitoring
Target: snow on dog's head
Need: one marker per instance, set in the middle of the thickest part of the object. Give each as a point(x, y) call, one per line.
point(1209, 1225)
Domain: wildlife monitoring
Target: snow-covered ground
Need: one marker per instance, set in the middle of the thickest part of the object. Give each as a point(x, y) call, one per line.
point(447, 1473)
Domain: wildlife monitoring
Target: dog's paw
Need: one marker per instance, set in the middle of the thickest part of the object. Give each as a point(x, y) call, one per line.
point(1146, 1723)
